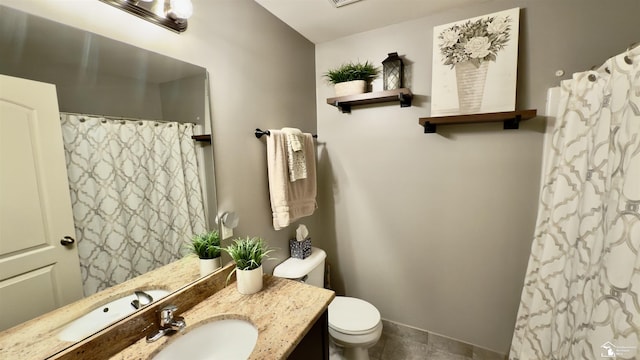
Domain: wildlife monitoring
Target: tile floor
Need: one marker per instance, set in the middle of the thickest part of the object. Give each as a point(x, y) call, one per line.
point(400, 342)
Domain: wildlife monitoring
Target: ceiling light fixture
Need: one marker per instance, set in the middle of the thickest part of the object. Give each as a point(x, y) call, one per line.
point(170, 14)
point(339, 3)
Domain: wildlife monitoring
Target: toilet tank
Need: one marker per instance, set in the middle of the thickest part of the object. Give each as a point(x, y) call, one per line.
point(309, 270)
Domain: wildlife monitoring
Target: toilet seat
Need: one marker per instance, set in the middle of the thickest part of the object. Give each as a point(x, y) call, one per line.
point(353, 316)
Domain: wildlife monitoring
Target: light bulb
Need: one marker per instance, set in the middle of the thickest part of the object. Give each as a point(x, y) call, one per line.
point(182, 9)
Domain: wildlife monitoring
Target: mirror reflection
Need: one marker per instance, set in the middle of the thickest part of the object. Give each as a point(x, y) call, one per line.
point(138, 185)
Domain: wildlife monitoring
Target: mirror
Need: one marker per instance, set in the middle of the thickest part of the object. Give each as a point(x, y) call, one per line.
point(100, 76)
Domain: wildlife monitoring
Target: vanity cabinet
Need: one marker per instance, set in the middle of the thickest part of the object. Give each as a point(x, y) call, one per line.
point(291, 317)
point(315, 345)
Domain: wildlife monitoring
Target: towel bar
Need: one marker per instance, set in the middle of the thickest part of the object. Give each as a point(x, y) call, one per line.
point(259, 133)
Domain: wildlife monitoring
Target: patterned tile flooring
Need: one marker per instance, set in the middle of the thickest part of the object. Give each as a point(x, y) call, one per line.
point(400, 342)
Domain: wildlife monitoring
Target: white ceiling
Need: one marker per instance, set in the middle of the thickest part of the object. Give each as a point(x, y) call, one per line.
point(319, 21)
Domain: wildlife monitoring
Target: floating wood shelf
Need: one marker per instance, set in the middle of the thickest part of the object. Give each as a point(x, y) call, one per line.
point(511, 119)
point(344, 103)
point(202, 138)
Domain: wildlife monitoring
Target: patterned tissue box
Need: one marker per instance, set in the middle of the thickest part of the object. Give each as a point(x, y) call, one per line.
point(300, 249)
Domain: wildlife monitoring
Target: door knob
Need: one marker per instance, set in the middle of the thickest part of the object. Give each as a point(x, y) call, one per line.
point(67, 241)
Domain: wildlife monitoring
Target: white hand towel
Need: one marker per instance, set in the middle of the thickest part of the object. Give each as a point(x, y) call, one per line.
point(294, 138)
point(290, 201)
point(295, 154)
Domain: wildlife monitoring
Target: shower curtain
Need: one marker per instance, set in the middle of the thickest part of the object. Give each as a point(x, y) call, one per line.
point(135, 193)
point(581, 295)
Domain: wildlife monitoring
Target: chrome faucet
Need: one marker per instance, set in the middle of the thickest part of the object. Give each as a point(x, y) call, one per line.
point(168, 323)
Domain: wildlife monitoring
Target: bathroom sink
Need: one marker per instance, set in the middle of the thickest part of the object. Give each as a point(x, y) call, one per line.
point(107, 314)
point(228, 339)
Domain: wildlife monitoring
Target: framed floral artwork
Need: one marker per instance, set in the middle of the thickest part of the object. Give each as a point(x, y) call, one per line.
point(475, 65)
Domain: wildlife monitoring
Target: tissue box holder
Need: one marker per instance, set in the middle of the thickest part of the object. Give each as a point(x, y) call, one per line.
point(300, 249)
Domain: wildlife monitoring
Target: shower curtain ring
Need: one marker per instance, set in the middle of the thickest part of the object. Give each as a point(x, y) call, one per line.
point(627, 59)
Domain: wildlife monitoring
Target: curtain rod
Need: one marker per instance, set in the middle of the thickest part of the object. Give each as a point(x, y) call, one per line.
point(112, 117)
point(628, 60)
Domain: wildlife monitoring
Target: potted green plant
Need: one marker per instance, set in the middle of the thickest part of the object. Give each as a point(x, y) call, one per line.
point(207, 247)
point(352, 78)
point(248, 254)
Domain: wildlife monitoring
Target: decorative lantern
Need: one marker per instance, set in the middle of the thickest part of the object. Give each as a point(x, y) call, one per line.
point(392, 71)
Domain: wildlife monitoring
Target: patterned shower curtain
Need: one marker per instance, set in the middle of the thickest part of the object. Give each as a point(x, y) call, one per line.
point(581, 295)
point(135, 193)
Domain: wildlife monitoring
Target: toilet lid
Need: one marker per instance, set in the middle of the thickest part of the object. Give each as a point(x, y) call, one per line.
point(352, 315)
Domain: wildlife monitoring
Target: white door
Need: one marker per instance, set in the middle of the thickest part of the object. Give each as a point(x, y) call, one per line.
point(37, 272)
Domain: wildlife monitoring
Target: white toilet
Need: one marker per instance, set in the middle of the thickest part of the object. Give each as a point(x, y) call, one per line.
point(354, 324)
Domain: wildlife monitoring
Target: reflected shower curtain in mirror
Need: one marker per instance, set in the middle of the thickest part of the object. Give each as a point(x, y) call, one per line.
point(581, 294)
point(135, 192)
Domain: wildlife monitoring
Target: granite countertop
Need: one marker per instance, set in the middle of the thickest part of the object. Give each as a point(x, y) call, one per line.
point(37, 338)
point(283, 312)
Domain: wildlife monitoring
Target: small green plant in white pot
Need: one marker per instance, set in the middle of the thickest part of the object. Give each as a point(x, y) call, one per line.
point(352, 78)
point(207, 247)
point(248, 254)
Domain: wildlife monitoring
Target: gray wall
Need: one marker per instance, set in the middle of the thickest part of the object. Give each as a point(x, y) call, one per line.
point(182, 100)
point(85, 91)
point(263, 76)
point(98, 75)
point(435, 229)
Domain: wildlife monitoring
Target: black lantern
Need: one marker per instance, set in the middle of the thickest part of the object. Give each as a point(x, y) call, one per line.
point(392, 71)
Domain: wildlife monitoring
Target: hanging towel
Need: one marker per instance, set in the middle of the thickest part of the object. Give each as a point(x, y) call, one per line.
point(290, 201)
point(295, 154)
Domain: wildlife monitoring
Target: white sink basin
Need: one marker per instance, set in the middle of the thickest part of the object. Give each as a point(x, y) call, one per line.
point(228, 339)
point(106, 315)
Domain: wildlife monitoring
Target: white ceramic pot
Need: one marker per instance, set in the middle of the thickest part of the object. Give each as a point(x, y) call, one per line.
point(351, 87)
point(207, 266)
point(249, 281)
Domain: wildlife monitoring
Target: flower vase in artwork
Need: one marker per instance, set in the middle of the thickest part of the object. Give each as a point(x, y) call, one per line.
point(470, 80)
point(468, 47)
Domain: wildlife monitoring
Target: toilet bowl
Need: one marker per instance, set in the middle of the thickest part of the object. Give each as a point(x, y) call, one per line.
point(354, 324)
